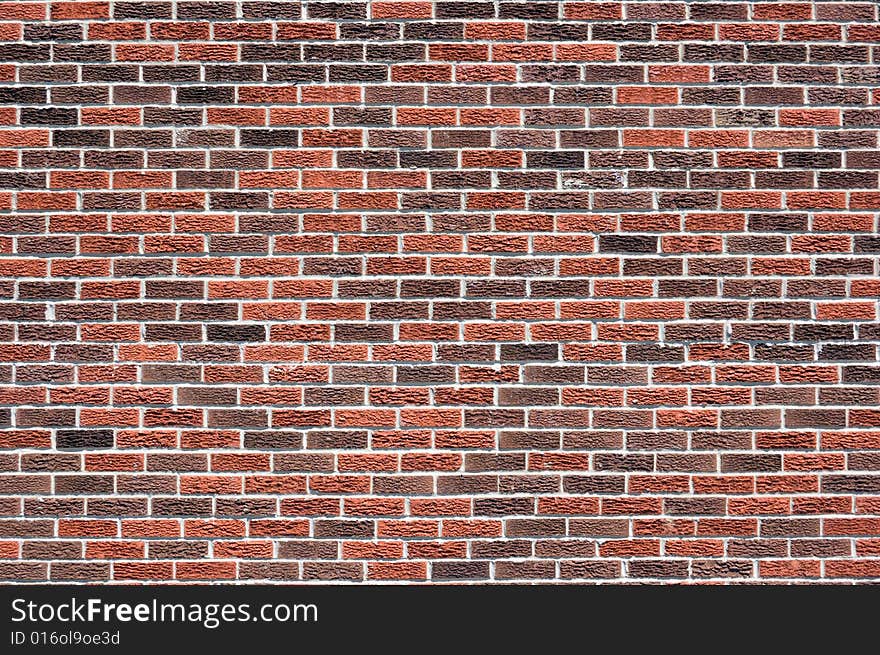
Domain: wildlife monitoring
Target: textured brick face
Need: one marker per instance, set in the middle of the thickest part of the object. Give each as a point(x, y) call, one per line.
point(439, 291)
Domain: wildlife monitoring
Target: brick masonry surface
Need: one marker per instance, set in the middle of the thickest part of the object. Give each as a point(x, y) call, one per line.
point(444, 291)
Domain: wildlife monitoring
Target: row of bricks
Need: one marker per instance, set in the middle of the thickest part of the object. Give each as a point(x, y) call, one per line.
point(798, 478)
point(439, 181)
point(669, 62)
point(470, 317)
point(374, 106)
point(674, 507)
point(468, 303)
point(414, 512)
point(665, 464)
point(510, 570)
point(97, 397)
point(450, 318)
point(768, 549)
point(420, 9)
point(344, 374)
point(545, 128)
point(633, 419)
point(696, 334)
point(827, 185)
point(485, 255)
point(414, 439)
point(448, 201)
point(440, 290)
point(510, 61)
point(478, 365)
point(282, 80)
point(255, 231)
point(740, 526)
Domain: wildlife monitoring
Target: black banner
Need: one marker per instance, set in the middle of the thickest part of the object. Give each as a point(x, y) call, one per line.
point(397, 618)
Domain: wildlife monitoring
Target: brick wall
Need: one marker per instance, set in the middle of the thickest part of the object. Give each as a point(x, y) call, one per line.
point(439, 291)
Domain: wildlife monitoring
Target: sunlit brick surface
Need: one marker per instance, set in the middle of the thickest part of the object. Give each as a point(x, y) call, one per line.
point(471, 291)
